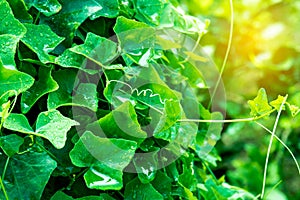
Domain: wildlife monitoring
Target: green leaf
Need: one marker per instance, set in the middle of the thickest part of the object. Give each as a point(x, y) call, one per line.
point(54, 127)
point(137, 190)
point(133, 35)
point(98, 49)
point(70, 93)
point(47, 7)
point(69, 59)
point(259, 105)
point(62, 196)
point(91, 149)
point(8, 49)
point(150, 11)
point(110, 9)
point(43, 42)
point(75, 12)
point(18, 122)
point(120, 123)
point(172, 112)
point(146, 166)
point(27, 175)
point(9, 24)
point(20, 11)
point(10, 144)
point(101, 177)
point(14, 80)
point(62, 96)
point(146, 98)
point(86, 95)
point(44, 85)
point(207, 138)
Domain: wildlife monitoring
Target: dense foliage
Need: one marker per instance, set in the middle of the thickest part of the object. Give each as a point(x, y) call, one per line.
point(116, 99)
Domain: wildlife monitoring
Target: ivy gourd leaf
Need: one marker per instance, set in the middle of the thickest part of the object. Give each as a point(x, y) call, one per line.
point(20, 11)
point(10, 144)
point(72, 15)
point(44, 85)
point(86, 95)
point(172, 112)
point(17, 179)
point(8, 49)
point(62, 96)
point(147, 98)
point(18, 122)
point(259, 105)
point(98, 49)
point(101, 177)
point(14, 80)
point(163, 184)
point(91, 149)
point(69, 59)
point(9, 24)
point(137, 190)
point(110, 9)
point(134, 36)
point(47, 7)
point(60, 195)
point(278, 102)
point(120, 123)
point(207, 138)
point(70, 93)
point(53, 126)
point(146, 166)
point(293, 109)
point(150, 11)
point(43, 43)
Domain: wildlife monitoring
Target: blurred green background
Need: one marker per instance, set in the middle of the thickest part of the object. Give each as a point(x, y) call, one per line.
point(264, 53)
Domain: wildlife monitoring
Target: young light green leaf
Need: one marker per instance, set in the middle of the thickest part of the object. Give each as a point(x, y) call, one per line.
point(10, 144)
point(120, 123)
point(137, 190)
point(98, 49)
point(293, 109)
point(9, 24)
point(8, 45)
point(18, 122)
point(101, 177)
point(29, 169)
point(14, 80)
point(43, 42)
point(91, 149)
point(53, 126)
point(47, 7)
point(259, 105)
point(44, 85)
point(277, 103)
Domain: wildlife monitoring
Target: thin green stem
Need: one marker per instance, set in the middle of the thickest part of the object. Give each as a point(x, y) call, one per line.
point(5, 168)
point(285, 146)
point(37, 17)
point(3, 189)
point(210, 171)
point(270, 145)
point(228, 120)
point(50, 154)
point(226, 54)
